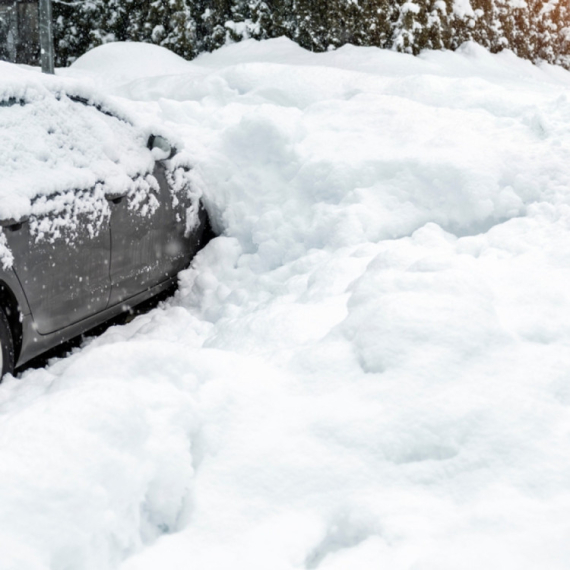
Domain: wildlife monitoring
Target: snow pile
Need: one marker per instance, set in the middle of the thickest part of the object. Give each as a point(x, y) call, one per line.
point(124, 61)
point(368, 368)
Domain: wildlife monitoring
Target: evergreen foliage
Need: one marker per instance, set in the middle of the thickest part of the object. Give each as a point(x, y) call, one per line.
point(533, 29)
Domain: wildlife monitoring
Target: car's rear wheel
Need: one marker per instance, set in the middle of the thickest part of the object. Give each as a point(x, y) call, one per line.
point(7, 344)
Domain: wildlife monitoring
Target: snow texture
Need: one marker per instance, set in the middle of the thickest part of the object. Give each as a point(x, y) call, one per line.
point(367, 369)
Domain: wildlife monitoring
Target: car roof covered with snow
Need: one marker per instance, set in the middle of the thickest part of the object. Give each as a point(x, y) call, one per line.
point(59, 135)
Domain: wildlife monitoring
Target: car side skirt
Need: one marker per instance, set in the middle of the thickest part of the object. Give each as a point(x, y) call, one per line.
point(35, 343)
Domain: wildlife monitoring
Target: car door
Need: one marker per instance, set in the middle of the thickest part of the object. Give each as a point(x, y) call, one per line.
point(150, 238)
point(183, 222)
point(61, 258)
point(137, 221)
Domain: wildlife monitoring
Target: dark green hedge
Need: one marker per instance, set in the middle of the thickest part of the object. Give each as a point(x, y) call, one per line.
point(535, 29)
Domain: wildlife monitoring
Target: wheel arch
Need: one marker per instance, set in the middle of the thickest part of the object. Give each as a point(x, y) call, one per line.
point(11, 307)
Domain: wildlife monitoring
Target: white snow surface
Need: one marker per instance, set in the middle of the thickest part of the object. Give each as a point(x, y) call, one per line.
point(369, 368)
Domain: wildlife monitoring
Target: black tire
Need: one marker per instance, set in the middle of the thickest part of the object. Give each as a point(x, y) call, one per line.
point(7, 343)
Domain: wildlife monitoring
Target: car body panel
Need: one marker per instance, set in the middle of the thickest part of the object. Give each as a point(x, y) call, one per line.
point(65, 277)
point(148, 248)
point(137, 230)
point(35, 343)
point(9, 280)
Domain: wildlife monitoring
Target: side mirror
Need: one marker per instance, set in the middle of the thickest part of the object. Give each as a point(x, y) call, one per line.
point(161, 149)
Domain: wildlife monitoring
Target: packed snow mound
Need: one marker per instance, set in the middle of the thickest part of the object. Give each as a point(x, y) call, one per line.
point(368, 368)
point(126, 61)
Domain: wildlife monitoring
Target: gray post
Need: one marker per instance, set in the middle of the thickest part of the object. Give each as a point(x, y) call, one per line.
point(46, 36)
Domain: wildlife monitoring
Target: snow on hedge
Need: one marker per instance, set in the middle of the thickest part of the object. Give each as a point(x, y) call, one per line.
point(367, 369)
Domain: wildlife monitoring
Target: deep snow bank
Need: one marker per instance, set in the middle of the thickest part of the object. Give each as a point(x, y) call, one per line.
point(367, 369)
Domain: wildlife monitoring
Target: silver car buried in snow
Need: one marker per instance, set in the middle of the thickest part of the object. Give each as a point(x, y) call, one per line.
point(96, 215)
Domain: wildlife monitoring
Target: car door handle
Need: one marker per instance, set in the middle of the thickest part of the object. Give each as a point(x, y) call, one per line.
point(115, 197)
point(13, 224)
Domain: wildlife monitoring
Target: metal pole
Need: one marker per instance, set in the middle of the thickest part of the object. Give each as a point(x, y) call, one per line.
point(46, 36)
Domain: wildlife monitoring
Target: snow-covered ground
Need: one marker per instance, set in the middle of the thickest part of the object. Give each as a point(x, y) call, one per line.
point(369, 368)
